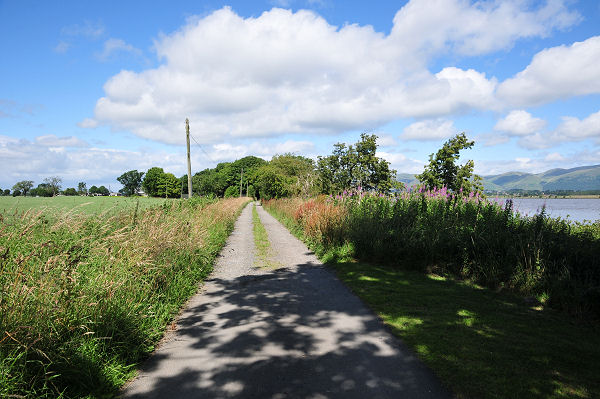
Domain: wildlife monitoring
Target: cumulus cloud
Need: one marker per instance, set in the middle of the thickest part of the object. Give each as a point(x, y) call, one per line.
point(554, 73)
point(477, 28)
point(575, 129)
point(437, 129)
point(520, 123)
point(285, 72)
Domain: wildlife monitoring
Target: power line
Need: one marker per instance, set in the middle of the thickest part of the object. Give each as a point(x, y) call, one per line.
point(202, 149)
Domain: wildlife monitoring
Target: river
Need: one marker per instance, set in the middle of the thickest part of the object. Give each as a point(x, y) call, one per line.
point(576, 209)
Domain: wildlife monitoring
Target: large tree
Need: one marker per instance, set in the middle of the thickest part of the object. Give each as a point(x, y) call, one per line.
point(23, 186)
point(131, 181)
point(169, 186)
point(443, 170)
point(82, 188)
point(54, 182)
point(354, 166)
point(152, 180)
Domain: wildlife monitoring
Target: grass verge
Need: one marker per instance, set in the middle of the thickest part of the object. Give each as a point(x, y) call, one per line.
point(84, 298)
point(263, 257)
point(480, 343)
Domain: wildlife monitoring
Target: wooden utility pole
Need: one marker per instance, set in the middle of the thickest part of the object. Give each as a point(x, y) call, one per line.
point(187, 138)
point(241, 175)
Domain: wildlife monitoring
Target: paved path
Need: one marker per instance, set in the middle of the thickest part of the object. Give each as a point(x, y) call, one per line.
point(296, 332)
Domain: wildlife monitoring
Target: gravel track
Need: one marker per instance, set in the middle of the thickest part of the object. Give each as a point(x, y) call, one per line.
point(295, 332)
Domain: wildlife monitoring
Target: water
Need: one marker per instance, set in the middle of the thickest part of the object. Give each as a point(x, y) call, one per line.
point(576, 209)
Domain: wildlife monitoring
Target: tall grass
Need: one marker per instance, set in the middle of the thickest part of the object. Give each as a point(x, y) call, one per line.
point(554, 260)
point(84, 298)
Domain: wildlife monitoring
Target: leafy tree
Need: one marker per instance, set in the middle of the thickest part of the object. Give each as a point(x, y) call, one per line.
point(6, 192)
point(81, 188)
point(102, 191)
point(131, 181)
point(70, 191)
point(169, 186)
point(16, 193)
point(271, 183)
point(23, 186)
point(54, 183)
point(355, 166)
point(42, 190)
point(152, 180)
point(93, 190)
point(443, 171)
point(232, 191)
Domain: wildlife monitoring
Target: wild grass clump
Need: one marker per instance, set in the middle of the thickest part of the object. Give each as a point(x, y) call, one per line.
point(554, 260)
point(84, 298)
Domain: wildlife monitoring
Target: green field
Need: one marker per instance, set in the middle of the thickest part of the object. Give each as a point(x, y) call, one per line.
point(87, 205)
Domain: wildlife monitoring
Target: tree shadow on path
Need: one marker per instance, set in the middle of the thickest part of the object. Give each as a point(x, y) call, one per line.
point(284, 334)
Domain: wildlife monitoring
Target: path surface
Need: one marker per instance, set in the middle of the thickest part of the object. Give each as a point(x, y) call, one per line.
point(296, 332)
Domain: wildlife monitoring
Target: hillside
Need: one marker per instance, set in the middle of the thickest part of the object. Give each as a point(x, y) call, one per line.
point(577, 179)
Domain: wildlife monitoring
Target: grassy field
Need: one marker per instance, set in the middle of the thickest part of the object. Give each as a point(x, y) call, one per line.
point(482, 343)
point(85, 298)
point(88, 205)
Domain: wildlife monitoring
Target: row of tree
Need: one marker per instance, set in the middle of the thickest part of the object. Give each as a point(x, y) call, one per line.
point(348, 167)
point(52, 187)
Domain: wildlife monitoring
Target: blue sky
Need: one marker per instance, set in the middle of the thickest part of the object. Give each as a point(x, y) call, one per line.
point(89, 90)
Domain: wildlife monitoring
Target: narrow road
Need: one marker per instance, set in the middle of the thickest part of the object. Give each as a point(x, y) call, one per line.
point(296, 332)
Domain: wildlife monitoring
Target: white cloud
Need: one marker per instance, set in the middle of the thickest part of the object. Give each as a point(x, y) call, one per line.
point(401, 163)
point(477, 28)
point(555, 73)
point(571, 129)
point(88, 123)
point(52, 140)
point(74, 160)
point(520, 123)
point(285, 72)
point(436, 129)
point(575, 129)
point(386, 140)
point(113, 46)
point(229, 152)
point(554, 157)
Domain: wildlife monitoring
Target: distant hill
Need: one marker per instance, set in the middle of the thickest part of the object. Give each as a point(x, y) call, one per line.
point(577, 179)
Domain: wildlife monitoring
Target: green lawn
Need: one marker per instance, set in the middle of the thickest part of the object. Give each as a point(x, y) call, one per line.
point(89, 205)
point(481, 343)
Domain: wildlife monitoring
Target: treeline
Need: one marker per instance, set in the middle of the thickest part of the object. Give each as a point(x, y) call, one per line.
point(348, 167)
point(51, 187)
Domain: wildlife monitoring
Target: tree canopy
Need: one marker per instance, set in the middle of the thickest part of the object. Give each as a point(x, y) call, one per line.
point(131, 181)
point(354, 166)
point(23, 186)
point(443, 171)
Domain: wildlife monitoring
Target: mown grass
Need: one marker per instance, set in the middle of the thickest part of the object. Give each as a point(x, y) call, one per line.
point(481, 342)
point(84, 298)
point(88, 205)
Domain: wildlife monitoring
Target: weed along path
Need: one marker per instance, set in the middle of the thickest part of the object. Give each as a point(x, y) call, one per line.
point(290, 331)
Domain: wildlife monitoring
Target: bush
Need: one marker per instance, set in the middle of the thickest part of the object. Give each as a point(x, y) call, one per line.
point(470, 238)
